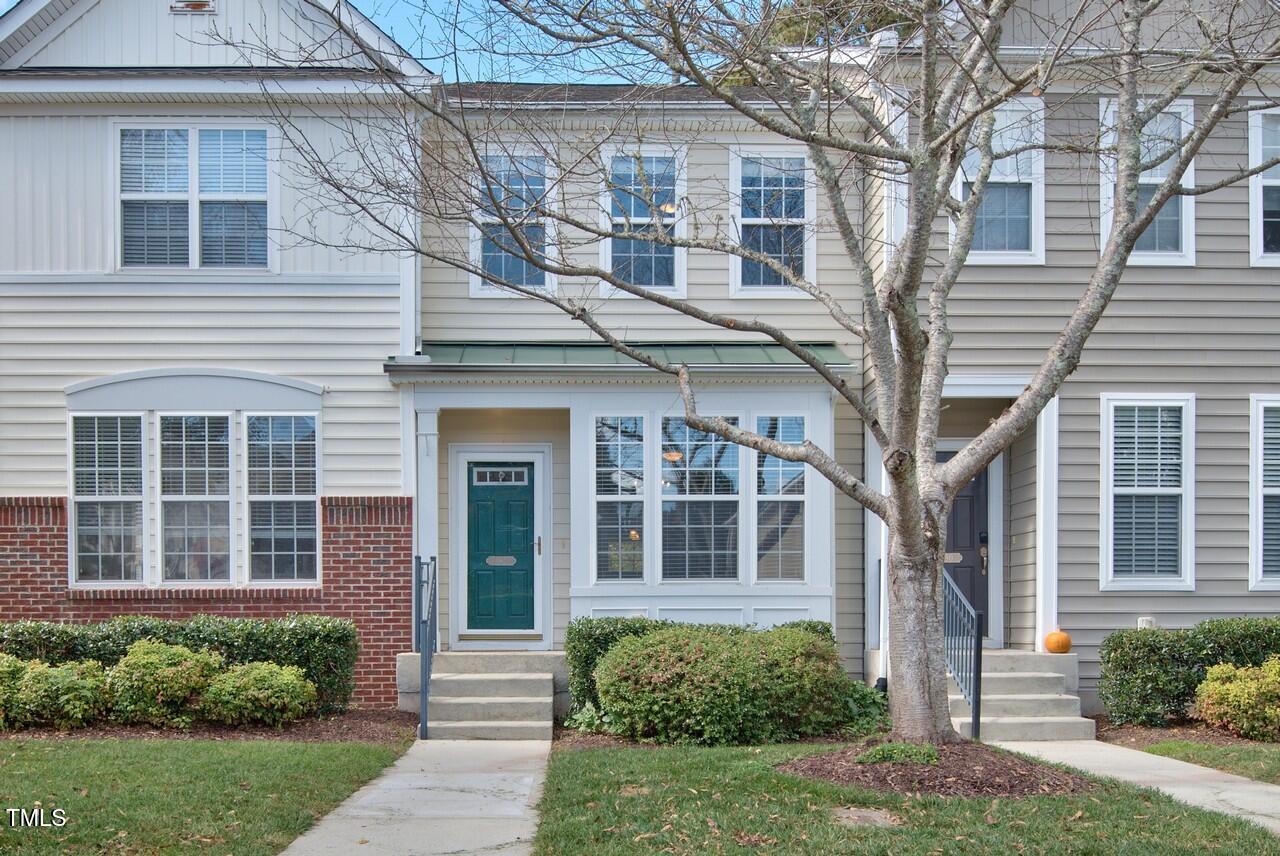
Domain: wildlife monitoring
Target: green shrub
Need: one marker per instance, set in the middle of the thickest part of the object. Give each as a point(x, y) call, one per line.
point(1245, 700)
point(702, 685)
point(591, 719)
point(66, 696)
point(160, 684)
point(899, 753)
point(866, 709)
point(11, 671)
point(258, 692)
point(324, 647)
point(817, 628)
point(1150, 676)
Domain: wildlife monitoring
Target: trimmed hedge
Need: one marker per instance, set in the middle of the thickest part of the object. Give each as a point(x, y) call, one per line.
point(322, 646)
point(1245, 700)
point(258, 692)
point(588, 639)
point(1150, 676)
point(160, 684)
point(66, 696)
point(701, 685)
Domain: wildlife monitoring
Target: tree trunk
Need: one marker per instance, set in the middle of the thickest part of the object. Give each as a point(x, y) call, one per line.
point(918, 701)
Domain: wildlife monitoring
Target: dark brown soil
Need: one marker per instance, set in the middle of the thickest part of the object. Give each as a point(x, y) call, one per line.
point(963, 770)
point(1141, 736)
point(367, 725)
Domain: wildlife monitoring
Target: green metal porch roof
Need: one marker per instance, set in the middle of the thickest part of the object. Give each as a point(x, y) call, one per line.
point(525, 356)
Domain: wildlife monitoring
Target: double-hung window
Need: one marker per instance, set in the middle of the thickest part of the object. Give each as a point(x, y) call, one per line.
point(1264, 188)
point(780, 501)
point(619, 487)
point(701, 503)
point(643, 192)
point(1009, 227)
point(514, 188)
point(775, 201)
point(195, 497)
point(193, 197)
point(1148, 479)
point(107, 486)
point(1264, 493)
point(281, 466)
point(1170, 237)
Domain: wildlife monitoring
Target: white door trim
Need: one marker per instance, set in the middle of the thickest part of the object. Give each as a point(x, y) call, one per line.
point(539, 455)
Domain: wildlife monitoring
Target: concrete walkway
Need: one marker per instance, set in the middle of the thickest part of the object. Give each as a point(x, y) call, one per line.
point(442, 796)
point(1188, 783)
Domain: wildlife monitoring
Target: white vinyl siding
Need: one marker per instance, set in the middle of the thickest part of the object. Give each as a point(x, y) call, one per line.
point(780, 504)
point(1148, 493)
point(619, 492)
point(281, 461)
point(206, 208)
point(1264, 493)
point(108, 487)
point(1010, 223)
point(195, 497)
point(1170, 237)
point(1264, 188)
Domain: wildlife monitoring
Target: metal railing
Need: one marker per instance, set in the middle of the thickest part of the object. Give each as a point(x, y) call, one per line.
point(962, 629)
point(425, 615)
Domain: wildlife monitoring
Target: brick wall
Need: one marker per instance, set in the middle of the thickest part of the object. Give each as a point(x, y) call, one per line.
point(366, 548)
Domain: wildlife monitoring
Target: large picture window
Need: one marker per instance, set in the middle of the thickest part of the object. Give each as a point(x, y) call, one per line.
point(281, 452)
point(701, 489)
point(195, 494)
point(201, 208)
point(107, 486)
point(619, 487)
point(1148, 493)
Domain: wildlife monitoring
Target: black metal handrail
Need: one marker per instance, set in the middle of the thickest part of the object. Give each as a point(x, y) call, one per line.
point(425, 614)
point(962, 630)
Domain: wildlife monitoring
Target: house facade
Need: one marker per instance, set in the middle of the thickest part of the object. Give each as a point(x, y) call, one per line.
point(198, 414)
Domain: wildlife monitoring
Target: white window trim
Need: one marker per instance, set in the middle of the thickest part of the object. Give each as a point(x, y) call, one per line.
point(1258, 258)
point(475, 283)
point(74, 498)
point(194, 196)
point(1107, 171)
point(1106, 533)
point(754, 497)
point(1257, 404)
point(1033, 108)
point(679, 222)
point(232, 492)
point(736, 156)
point(644, 497)
point(245, 498)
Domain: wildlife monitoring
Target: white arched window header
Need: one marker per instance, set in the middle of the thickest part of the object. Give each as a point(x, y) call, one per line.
point(193, 389)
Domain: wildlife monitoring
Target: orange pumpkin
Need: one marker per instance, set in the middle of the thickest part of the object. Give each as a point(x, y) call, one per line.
point(1057, 642)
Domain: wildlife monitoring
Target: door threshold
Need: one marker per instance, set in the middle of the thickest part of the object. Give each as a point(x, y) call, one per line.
point(499, 637)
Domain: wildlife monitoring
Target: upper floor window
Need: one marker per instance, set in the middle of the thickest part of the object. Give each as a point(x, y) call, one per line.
point(185, 208)
point(775, 207)
point(1148, 492)
point(1170, 238)
point(1009, 228)
point(1264, 188)
point(514, 188)
point(643, 192)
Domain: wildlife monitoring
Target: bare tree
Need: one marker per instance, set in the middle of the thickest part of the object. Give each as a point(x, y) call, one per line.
point(907, 100)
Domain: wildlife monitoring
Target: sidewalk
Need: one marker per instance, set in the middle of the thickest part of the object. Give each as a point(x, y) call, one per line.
point(1188, 783)
point(442, 796)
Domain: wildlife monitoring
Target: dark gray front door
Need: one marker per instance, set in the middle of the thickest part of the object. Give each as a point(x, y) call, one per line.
point(967, 539)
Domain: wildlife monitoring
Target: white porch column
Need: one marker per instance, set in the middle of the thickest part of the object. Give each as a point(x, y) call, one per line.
point(426, 500)
point(1046, 521)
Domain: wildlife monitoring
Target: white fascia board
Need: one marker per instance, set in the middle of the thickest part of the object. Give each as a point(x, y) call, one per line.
point(201, 84)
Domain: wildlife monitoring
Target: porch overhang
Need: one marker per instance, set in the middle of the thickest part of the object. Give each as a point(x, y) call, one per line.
point(569, 360)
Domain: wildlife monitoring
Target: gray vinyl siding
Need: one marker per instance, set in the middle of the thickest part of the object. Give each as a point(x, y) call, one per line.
point(1020, 540)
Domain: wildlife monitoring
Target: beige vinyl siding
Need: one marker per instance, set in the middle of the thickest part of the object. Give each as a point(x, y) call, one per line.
point(1020, 539)
point(512, 426)
point(57, 333)
point(60, 211)
point(849, 611)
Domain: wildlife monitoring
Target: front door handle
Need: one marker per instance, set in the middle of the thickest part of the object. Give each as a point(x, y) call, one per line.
point(537, 546)
point(982, 554)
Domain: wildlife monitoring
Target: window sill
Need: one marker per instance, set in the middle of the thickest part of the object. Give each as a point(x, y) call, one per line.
point(1265, 260)
point(1161, 260)
point(204, 592)
point(978, 258)
point(1148, 584)
point(1271, 583)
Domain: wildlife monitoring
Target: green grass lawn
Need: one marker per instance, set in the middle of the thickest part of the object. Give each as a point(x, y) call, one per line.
point(178, 796)
point(1261, 762)
point(730, 800)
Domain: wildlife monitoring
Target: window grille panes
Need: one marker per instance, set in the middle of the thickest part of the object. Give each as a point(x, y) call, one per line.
point(153, 160)
point(233, 234)
point(783, 244)
point(195, 489)
point(1164, 233)
point(282, 489)
point(699, 528)
point(779, 520)
point(517, 183)
point(1148, 485)
point(1003, 222)
point(233, 160)
point(642, 188)
point(107, 463)
point(619, 487)
point(1271, 219)
point(773, 188)
point(648, 264)
point(503, 260)
point(774, 216)
point(155, 233)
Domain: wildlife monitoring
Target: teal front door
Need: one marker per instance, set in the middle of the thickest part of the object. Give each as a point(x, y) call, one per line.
point(500, 546)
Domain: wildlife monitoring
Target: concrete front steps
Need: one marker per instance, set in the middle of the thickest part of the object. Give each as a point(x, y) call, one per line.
point(1025, 696)
point(485, 695)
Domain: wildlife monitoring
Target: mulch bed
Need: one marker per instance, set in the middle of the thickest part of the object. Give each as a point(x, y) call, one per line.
point(366, 725)
point(1141, 736)
point(963, 770)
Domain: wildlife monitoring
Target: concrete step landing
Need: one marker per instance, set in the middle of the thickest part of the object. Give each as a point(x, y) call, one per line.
point(1025, 696)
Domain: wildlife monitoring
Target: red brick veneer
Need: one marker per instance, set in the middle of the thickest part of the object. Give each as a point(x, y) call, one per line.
point(366, 546)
